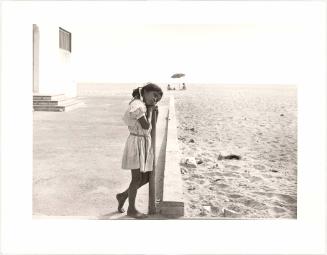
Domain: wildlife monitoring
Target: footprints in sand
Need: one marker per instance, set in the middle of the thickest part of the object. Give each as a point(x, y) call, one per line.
point(252, 128)
point(252, 203)
point(234, 196)
point(222, 185)
point(280, 197)
point(259, 167)
point(198, 178)
point(232, 184)
point(278, 209)
point(247, 201)
point(231, 174)
point(212, 174)
point(255, 179)
point(286, 198)
point(232, 167)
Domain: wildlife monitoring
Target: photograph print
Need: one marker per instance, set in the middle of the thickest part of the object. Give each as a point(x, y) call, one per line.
point(164, 121)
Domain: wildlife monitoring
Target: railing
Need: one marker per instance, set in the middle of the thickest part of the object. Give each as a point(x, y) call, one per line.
point(152, 186)
point(165, 184)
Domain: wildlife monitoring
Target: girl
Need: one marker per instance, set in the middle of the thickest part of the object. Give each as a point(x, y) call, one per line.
point(138, 154)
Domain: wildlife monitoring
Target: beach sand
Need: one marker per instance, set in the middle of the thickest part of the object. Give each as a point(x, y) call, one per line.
point(257, 123)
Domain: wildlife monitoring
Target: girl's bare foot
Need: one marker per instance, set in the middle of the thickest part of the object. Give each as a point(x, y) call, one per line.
point(136, 214)
point(121, 200)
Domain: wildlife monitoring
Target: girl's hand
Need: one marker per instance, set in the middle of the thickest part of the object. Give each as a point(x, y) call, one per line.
point(150, 108)
point(157, 112)
point(155, 108)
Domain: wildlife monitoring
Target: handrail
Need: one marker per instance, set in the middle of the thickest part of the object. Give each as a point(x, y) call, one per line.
point(152, 186)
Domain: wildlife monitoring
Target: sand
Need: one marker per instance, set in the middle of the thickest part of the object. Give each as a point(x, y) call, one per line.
point(257, 123)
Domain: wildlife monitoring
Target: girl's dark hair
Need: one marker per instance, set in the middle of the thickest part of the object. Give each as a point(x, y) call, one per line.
point(148, 87)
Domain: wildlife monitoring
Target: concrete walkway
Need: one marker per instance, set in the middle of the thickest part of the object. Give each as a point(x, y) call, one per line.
point(77, 160)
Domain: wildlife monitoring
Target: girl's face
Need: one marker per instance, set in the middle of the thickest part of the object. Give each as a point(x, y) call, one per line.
point(151, 97)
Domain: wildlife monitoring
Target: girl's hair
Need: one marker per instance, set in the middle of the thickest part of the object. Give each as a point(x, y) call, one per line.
point(148, 87)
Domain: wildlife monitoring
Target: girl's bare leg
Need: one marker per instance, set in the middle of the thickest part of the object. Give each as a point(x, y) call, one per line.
point(121, 197)
point(132, 191)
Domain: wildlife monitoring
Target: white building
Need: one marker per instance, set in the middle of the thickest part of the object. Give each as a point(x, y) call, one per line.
point(52, 61)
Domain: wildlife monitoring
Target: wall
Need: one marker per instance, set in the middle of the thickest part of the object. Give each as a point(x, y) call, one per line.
point(55, 64)
point(65, 68)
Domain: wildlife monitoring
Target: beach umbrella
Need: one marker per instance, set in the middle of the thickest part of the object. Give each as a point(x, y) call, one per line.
point(177, 75)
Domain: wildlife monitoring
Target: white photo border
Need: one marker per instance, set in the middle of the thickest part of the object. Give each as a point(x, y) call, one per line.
point(20, 234)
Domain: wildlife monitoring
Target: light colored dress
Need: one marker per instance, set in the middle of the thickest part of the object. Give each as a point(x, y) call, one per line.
point(138, 153)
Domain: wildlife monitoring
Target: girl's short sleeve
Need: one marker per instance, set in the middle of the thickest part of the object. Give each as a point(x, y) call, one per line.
point(137, 109)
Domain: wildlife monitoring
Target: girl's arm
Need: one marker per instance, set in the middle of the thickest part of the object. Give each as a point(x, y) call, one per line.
point(157, 112)
point(145, 121)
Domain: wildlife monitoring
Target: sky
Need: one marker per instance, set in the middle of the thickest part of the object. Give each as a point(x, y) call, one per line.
point(242, 42)
point(217, 42)
point(208, 53)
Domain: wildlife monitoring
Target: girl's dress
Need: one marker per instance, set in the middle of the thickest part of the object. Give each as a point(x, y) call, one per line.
point(138, 153)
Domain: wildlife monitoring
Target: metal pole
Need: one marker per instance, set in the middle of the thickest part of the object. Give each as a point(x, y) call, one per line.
point(152, 187)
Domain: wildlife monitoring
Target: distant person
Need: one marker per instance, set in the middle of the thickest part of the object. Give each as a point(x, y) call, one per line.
point(184, 87)
point(138, 152)
point(168, 87)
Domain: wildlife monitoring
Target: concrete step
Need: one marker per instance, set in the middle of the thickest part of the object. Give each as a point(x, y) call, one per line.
point(55, 97)
point(66, 105)
point(53, 103)
point(49, 108)
point(45, 102)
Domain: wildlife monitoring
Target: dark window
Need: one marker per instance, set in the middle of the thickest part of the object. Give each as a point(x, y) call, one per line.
point(65, 40)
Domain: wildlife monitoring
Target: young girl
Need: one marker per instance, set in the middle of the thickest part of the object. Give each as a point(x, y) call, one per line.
point(138, 153)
